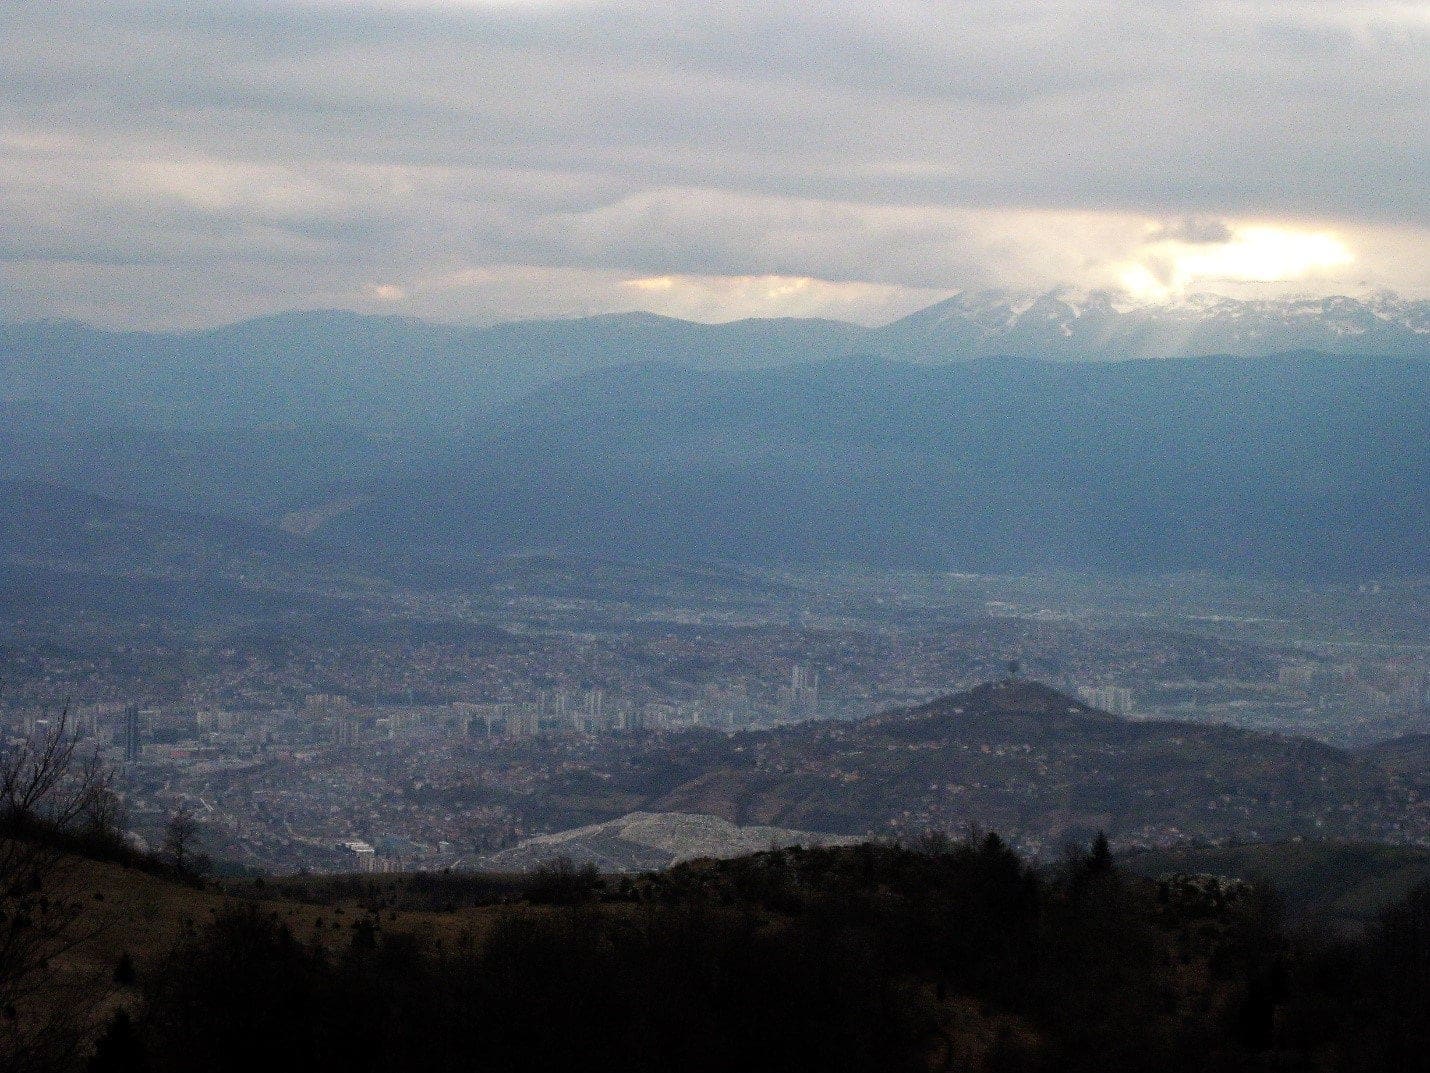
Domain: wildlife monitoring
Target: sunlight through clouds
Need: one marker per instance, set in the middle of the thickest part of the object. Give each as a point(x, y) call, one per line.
point(1251, 254)
point(209, 161)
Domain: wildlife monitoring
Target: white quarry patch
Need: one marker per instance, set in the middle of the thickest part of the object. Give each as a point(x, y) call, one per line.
point(648, 840)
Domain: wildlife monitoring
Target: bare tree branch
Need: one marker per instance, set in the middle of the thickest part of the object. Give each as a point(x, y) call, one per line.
point(49, 801)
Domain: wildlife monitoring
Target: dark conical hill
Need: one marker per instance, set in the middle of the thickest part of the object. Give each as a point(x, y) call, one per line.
point(1007, 696)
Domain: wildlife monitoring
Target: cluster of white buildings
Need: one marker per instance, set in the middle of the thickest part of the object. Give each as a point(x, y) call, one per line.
point(1115, 699)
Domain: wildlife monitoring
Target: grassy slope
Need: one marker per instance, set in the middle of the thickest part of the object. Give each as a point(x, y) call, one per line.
point(144, 915)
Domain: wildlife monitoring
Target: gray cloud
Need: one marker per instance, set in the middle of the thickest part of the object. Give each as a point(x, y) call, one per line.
point(291, 154)
point(1193, 229)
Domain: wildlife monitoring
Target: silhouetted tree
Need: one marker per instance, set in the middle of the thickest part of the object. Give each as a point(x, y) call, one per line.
point(1099, 857)
point(562, 882)
point(119, 1049)
point(181, 843)
point(124, 973)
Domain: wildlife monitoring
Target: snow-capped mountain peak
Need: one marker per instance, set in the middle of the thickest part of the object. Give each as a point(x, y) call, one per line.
point(1108, 325)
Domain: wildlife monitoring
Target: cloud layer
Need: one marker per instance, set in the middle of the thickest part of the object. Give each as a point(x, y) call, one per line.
point(188, 163)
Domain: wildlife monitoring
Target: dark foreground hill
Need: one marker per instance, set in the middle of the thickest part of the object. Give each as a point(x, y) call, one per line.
point(1012, 755)
point(919, 955)
point(941, 956)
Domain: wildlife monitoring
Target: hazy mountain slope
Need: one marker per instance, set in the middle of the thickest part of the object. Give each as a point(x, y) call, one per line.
point(325, 369)
point(262, 471)
point(1300, 465)
point(68, 553)
point(52, 524)
point(298, 410)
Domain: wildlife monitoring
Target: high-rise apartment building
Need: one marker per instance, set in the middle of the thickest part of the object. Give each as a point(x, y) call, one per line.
point(133, 747)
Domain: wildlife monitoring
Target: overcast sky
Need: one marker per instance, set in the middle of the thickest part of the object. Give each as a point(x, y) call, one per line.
point(191, 163)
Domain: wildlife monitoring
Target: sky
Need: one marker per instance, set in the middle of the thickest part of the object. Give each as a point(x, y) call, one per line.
point(186, 164)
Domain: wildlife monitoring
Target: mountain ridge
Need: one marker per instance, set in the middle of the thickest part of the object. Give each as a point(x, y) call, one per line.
point(1015, 756)
point(1103, 325)
point(343, 365)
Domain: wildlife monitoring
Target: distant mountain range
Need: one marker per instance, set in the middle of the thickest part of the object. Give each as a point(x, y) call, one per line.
point(963, 436)
point(335, 369)
point(1102, 326)
point(380, 375)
